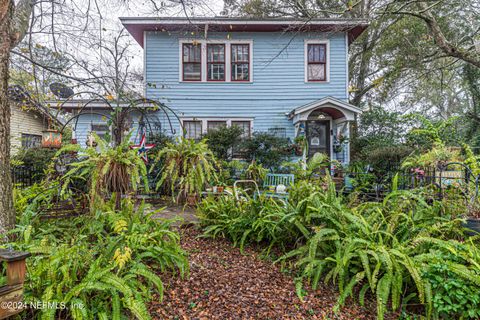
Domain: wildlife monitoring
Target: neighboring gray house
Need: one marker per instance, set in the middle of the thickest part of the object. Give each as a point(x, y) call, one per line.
point(28, 120)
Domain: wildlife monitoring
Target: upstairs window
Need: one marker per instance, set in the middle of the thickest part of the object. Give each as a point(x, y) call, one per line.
point(192, 62)
point(317, 62)
point(240, 62)
point(215, 62)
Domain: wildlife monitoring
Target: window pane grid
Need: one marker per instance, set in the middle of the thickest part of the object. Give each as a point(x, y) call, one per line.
point(31, 140)
point(245, 126)
point(240, 62)
point(216, 62)
point(317, 62)
point(192, 62)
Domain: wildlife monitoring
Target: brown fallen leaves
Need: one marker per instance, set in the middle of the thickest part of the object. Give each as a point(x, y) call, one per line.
point(225, 284)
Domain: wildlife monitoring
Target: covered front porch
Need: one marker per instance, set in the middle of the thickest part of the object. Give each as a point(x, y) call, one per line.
point(325, 124)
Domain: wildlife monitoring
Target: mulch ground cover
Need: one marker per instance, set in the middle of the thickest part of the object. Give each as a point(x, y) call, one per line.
point(226, 284)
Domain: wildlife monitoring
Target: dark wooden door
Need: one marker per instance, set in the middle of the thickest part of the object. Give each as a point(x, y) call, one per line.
point(318, 137)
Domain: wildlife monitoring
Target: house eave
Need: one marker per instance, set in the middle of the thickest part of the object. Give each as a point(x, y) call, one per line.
point(137, 26)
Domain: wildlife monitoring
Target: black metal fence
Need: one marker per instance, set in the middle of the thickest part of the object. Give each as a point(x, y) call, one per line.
point(376, 182)
point(25, 176)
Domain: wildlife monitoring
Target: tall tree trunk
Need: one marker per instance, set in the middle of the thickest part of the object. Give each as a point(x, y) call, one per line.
point(7, 214)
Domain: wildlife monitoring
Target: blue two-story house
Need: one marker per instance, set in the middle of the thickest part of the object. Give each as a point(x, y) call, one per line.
point(286, 77)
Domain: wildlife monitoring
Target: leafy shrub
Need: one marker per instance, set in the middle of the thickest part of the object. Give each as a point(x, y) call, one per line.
point(317, 164)
point(383, 157)
point(453, 296)
point(377, 247)
point(223, 140)
point(437, 155)
point(99, 267)
point(242, 222)
point(266, 149)
point(37, 158)
point(231, 171)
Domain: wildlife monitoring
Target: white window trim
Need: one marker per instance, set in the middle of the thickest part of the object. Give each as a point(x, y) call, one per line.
point(145, 82)
point(193, 120)
point(228, 59)
point(228, 120)
point(316, 41)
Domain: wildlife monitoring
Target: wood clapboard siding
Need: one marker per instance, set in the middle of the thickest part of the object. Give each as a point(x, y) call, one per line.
point(24, 121)
point(85, 121)
point(278, 78)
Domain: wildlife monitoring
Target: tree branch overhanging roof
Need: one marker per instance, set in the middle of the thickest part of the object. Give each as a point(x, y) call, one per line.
point(19, 95)
point(137, 26)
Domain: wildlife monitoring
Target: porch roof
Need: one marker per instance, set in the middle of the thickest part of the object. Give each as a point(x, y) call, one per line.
point(337, 109)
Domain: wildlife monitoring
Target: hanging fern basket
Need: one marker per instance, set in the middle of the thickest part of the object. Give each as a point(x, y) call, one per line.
point(51, 139)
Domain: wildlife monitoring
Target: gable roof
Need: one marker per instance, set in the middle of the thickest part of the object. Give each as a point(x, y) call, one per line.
point(137, 26)
point(335, 107)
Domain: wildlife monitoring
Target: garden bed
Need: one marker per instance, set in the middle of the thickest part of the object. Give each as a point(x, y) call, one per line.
point(225, 284)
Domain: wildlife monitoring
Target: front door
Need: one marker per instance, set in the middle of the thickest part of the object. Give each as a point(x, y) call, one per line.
point(318, 137)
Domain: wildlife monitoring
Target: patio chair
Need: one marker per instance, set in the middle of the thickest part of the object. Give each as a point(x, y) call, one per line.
point(273, 180)
point(241, 193)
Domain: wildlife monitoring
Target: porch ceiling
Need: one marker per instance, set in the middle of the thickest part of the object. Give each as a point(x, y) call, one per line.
point(335, 108)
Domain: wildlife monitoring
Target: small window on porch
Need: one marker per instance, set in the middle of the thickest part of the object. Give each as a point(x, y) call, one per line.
point(215, 125)
point(278, 132)
point(100, 129)
point(245, 126)
point(193, 129)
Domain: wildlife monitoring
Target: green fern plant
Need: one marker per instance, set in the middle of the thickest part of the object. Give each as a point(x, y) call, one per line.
point(74, 263)
point(118, 170)
point(188, 166)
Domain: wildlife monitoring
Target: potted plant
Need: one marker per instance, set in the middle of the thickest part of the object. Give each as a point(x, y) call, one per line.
point(119, 170)
point(339, 143)
point(187, 167)
point(300, 145)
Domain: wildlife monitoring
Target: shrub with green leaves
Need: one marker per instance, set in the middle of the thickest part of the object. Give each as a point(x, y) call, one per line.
point(252, 220)
point(266, 149)
point(454, 296)
point(223, 140)
point(99, 267)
